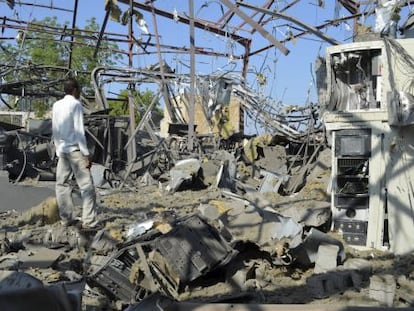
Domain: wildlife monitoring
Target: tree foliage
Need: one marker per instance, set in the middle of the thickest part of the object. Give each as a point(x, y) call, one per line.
point(41, 56)
point(142, 99)
point(46, 48)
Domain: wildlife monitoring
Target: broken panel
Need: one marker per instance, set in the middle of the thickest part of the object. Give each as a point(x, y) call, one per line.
point(356, 82)
point(114, 278)
point(351, 195)
point(193, 248)
point(116, 274)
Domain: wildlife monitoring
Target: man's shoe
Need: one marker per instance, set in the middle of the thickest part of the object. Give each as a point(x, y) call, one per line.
point(96, 227)
point(69, 222)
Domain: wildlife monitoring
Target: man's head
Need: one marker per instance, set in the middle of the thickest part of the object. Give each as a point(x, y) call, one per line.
point(71, 87)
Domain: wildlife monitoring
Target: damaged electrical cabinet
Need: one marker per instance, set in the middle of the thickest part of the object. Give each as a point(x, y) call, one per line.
point(367, 115)
point(164, 263)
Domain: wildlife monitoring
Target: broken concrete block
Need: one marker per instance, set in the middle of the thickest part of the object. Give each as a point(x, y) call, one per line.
point(262, 227)
point(209, 211)
point(321, 167)
point(103, 243)
point(326, 258)
point(382, 288)
point(22, 197)
point(406, 290)
point(360, 268)
point(320, 285)
point(274, 159)
point(238, 280)
point(313, 213)
point(215, 208)
point(226, 176)
point(38, 257)
point(343, 280)
point(359, 264)
point(326, 284)
point(307, 252)
point(55, 236)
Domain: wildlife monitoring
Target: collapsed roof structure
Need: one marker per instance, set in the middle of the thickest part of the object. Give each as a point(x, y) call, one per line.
point(331, 154)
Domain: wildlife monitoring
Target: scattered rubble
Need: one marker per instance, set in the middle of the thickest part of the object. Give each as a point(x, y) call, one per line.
point(197, 212)
point(203, 244)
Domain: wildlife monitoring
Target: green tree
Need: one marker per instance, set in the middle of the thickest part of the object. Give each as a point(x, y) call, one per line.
point(40, 47)
point(41, 56)
point(143, 101)
point(46, 47)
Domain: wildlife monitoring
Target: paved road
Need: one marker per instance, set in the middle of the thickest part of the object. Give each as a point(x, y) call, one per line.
point(21, 197)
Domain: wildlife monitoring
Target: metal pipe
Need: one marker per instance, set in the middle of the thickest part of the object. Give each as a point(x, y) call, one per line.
point(182, 19)
point(292, 19)
point(52, 7)
point(191, 103)
point(132, 149)
point(164, 90)
point(252, 23)
point(105, 21)
point(75, 13)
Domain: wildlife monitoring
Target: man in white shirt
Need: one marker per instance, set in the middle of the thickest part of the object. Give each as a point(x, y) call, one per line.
point(73, 156)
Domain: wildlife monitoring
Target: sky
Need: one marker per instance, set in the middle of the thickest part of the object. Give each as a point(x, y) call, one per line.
point(289, 79)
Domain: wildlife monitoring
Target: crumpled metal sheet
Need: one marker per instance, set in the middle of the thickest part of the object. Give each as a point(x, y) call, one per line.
point(264, 228)
point(192, 249)
point(184, 170)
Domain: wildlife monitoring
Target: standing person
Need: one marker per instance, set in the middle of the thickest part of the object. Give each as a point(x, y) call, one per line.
point(73, 156)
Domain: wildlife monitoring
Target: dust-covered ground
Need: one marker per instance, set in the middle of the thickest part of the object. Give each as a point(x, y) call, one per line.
point(267, 283)
point(253, 276)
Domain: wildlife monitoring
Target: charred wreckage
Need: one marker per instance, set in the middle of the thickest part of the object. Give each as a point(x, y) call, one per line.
point(151, 260)
point(324, 176)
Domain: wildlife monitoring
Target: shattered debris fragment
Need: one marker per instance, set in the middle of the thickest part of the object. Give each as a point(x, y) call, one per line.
point(209, 190)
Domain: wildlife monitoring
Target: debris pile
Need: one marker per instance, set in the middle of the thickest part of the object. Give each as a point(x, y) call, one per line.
point(194, 210)
point(217, 229)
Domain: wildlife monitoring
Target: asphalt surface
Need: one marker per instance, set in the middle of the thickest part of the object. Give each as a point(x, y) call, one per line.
point(21, 197)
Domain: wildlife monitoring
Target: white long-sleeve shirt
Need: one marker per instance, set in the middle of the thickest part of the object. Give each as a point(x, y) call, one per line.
point(67, 126)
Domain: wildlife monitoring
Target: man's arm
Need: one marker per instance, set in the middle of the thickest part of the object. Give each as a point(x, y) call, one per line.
point(80, 134)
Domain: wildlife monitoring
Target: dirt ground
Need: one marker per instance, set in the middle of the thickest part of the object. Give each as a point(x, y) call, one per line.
point(268, 283)
point(251, 277)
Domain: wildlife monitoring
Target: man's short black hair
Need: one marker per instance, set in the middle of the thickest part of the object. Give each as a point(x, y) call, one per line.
point(69, 85)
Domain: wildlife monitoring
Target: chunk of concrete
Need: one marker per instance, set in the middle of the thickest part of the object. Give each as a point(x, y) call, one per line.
point(209, 211)
point(320, 285)
point(38, 257)
point(326, 284)
point(226, 176)
point(361, 267)
point(261, 227)
point(382, 288)
point(307, 253)
point(406, 289)
point(326, 258)
point(271, 181)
